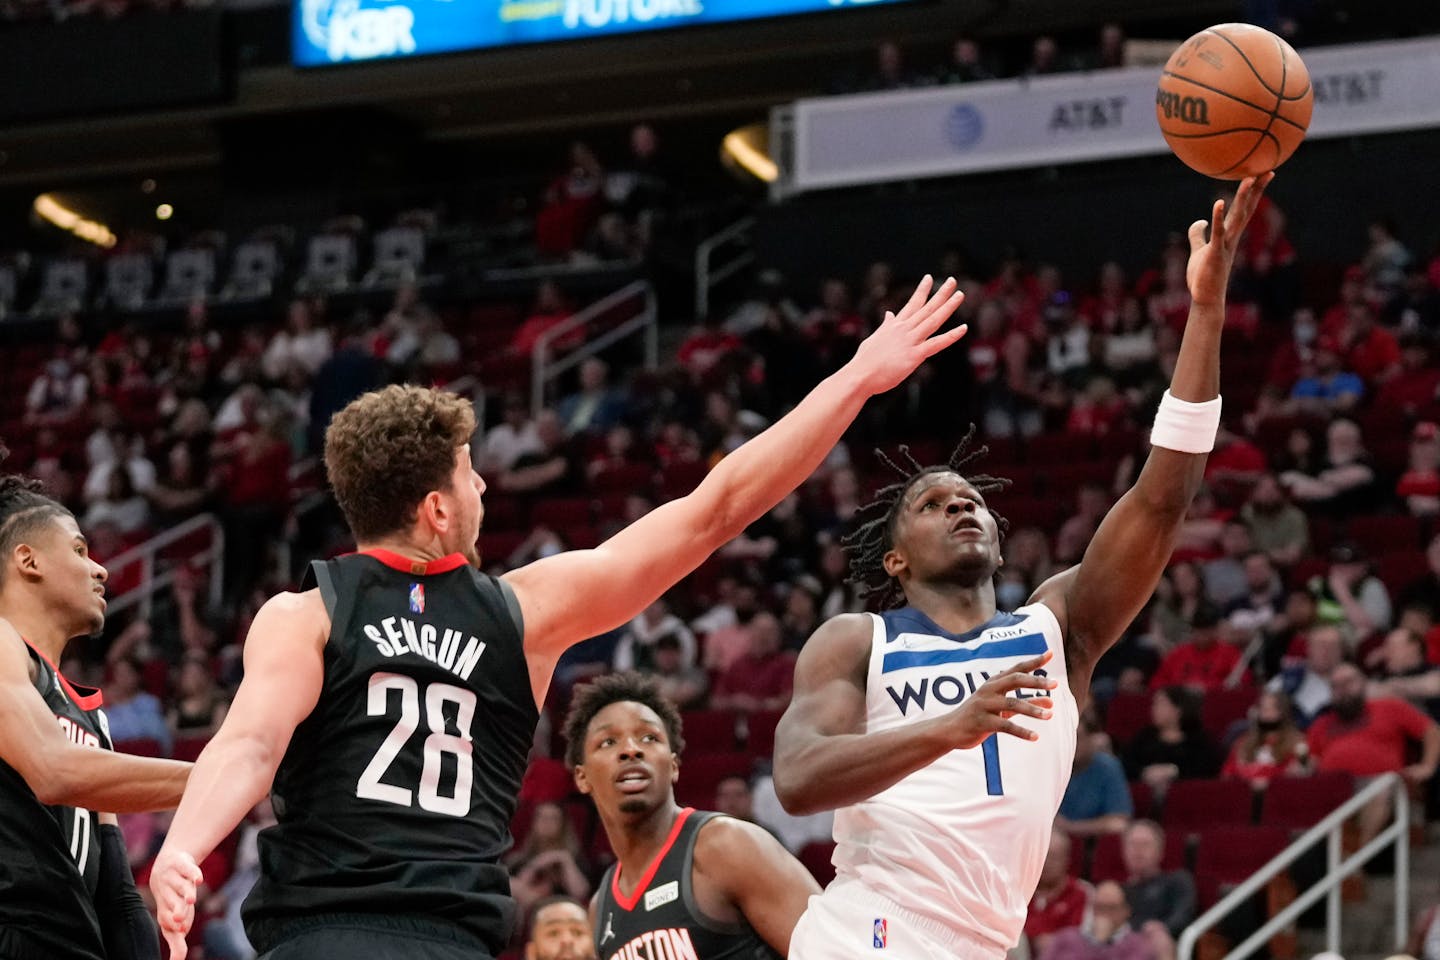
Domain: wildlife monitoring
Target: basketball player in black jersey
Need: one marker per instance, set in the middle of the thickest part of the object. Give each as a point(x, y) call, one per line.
point(687, 884)
point(65, 883)
point(392, 707)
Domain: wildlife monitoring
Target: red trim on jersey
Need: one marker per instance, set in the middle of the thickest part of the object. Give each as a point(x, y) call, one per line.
point(628, 903)
point(416, 568)
point(89, 701)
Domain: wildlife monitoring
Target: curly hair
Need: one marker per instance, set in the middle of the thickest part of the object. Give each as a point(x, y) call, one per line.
point(868, 543)
point(388, 449)
point(627, 687)
point(23, 508)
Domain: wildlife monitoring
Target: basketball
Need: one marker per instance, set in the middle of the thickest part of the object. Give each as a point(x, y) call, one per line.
point(1234, 101)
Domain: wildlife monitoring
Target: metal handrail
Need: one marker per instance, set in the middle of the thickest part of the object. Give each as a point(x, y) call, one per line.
point(151, 582)
point(708, 277)
point(1337, 870)
point(544, 370)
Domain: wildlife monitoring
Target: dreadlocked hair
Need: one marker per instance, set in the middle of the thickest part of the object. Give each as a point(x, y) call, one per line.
point(23, 507)
point(874, 536)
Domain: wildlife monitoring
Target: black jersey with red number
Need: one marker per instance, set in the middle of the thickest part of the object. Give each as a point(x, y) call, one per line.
point(396, 793)
point(50, 855)
point(661, 918)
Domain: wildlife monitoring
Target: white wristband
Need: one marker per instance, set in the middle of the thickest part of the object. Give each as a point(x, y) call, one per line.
point(1185, 426)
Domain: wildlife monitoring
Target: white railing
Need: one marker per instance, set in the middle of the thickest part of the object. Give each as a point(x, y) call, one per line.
point(708, 275)
point(1329, 830)
point(147, 553)
point(544, 370)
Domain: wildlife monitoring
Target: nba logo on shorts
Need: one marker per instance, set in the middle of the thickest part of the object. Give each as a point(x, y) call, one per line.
point(417, 598)
point(881, 933)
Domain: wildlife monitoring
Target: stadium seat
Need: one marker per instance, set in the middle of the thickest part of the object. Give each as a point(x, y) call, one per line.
point(1380, 534)
point(760, 735)
point(1142, 797)
point(140, 747)
point(709, 731)
point(630, 478)
point(188, 748)
point(1107, 862)
point(560, 513)
point(701, 773)
point(816, 857)
point(546, 781)
point(1223, 708)
point(1193, 805)
point(1226, 856)
point(1399, 568)
point(1298, 803)
point(1126, 715)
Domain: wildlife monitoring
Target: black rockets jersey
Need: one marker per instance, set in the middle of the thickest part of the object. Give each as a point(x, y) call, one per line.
point(396, 793)
point(50, 856)
point(660, 920)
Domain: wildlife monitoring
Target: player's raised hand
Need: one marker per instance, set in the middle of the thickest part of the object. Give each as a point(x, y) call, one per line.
point(906, 339)
point(173, 881)
point(988, 709)
point(1208, 272)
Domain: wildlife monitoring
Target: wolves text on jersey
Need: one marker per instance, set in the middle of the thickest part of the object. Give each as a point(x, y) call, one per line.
point(946, 689)
point(397, 636)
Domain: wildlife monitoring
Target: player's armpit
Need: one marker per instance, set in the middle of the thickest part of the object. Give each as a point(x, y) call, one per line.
point(748, 866)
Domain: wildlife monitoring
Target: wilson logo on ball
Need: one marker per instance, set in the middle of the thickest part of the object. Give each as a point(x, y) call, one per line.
point(1185, 109)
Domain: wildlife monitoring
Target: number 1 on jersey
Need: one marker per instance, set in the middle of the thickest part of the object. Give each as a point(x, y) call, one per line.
point(990, 749)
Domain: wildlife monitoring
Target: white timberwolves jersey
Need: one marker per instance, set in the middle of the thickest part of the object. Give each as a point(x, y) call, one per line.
point(961, 842)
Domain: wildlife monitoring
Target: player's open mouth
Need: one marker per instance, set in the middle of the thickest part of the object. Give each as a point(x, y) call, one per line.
point(633, 781)
point(967, 526)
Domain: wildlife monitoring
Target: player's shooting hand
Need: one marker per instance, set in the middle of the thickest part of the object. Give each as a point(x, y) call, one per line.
point(907, 339)
point(988, 709)
point(1208, 272)
point(173, 881)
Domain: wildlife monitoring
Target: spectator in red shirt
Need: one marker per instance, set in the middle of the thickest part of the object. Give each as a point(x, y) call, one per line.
point(1370, 350)
point(1352, 293)
point(1365, 738)
point(550, 310)
point(1060, 900)
point(1415, 385)
point(706, 348)
point(1202, 663)
point(1272, 747)
point(1419, 485)
point(1234, 459)
point(1107, 935)
point(762, 678)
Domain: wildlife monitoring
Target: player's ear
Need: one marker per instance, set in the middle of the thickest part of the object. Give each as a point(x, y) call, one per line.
point(894, 562)
point(582, 782)
point(433, 510)
point(26, 559)
point(674, 768)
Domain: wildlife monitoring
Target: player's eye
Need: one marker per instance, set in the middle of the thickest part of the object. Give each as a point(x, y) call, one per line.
point(650, 737)
point(608, 742)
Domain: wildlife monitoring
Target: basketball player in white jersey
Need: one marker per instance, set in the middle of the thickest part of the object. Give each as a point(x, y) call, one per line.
point(942, 824)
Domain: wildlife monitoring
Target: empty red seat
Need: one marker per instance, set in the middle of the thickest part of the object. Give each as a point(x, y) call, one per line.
point(1384, 533)
point(140, 747)
point(1226, 856)
point(1126, 715)
point(760, 738)
point(701, 773)
point(1143, 799)
point(709, 731)
point(1399, 568)
point(188, 748)
point(1193, 805)
point(630, 478)
point(546, 781)
point(1222, 708)
point(559, 513)
point(1298, 803)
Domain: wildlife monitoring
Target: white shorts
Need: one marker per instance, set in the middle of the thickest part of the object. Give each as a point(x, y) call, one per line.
point(848, 922)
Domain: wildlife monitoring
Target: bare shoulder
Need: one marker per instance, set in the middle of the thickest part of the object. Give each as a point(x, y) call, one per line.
point(841, 638)
point(724, 843)
point(291, 614)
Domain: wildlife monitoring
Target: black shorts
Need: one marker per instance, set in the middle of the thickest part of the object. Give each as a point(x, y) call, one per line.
point(375, 938)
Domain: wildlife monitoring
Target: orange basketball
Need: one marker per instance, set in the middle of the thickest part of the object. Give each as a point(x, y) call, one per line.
point(1234, 101)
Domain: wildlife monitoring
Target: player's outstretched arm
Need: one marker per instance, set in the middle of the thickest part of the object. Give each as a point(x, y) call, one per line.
point(66, 774)
point(750, 867)
point(571, 596)
point(824, 759)
point(1097, 600)
point(284, 673)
